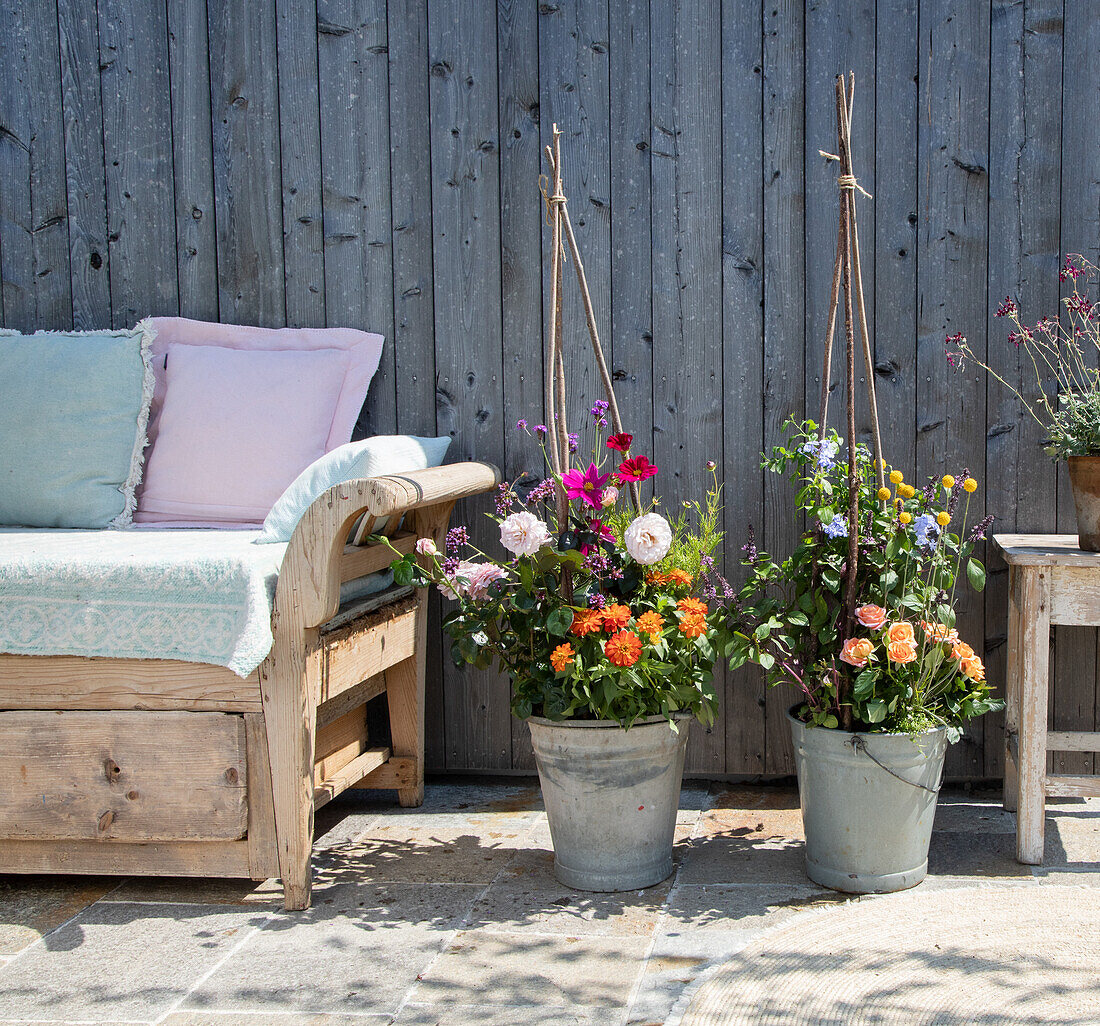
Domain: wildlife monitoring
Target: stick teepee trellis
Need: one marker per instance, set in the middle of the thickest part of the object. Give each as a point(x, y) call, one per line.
point(557, 213)
point(848, 271)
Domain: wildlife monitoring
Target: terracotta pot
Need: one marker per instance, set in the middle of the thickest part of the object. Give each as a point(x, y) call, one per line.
point(1084, 476)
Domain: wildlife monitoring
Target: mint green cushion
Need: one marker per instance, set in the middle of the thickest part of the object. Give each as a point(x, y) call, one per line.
point(371, 457)
point(72, 426)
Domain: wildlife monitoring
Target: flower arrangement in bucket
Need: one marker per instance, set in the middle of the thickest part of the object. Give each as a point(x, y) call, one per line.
point(877, 649)
point(1062, 352)
point(861, 618)
point(603, 612)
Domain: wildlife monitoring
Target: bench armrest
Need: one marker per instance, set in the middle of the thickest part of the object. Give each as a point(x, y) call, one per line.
point(308, 591)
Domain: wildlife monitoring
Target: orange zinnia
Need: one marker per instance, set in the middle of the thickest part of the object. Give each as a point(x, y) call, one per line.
point(586, 621)
point(693, 625)
point(650, 623)
point(615, 617)
point(623, 649)
point(676, 577)
point(692, 606)
point(561, 657)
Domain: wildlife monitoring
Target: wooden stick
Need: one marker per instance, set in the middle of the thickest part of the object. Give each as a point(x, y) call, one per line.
point(558, 370)
point(550, 373)
point(593, 331)
point(559, 364)
point(834, 302)
point(853, 232)
point(853, 477)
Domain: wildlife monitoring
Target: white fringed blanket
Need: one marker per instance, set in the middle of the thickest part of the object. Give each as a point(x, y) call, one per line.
point(203, 596)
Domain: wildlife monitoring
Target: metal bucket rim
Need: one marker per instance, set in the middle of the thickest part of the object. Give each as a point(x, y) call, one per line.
point(865, 733)
point(647, 721)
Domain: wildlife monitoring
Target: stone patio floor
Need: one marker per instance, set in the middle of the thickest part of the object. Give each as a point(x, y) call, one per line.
point(450, 914)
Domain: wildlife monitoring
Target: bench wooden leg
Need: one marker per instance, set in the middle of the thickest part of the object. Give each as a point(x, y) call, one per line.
point(405, 696)
point(405, 680)
point(1033, 628)
point(290, 717)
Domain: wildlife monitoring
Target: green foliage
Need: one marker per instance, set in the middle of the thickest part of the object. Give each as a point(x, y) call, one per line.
point(536, 623)
point(793, 619)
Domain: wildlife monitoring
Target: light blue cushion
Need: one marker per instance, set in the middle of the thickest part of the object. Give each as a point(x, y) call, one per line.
point(72, 426)
point(371, 457)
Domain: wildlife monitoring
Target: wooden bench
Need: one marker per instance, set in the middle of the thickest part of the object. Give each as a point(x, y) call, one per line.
point(158, 767)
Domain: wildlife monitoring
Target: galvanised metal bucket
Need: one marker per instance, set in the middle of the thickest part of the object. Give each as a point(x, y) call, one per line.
point(611, 798)
point(868, 803)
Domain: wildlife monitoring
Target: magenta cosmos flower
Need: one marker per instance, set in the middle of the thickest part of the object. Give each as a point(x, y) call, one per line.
point(586, 486)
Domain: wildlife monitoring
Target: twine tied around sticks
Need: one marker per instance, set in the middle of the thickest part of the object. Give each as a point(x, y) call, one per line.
point(849, 182)
point(550, 199)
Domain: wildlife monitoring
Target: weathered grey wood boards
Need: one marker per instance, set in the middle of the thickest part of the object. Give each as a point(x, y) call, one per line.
point(375, 162)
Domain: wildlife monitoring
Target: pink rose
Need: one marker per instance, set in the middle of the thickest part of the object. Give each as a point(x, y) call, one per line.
point(426, 547)
point(856, 652)
point(871, 616)
point(480, 576)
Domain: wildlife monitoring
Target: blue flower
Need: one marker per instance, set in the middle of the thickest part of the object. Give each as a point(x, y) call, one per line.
point(837, 527)
point(924, 524)
point(823, 451)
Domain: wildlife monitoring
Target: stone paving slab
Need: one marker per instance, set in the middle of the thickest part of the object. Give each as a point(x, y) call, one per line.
point(524, 969)
point(121, 961)
point(403, 853)
point(495, 1015)
point(31, 906)
point(185, 890)
point(526, 897)
point(741, 906)
point(449, 915)
point(269, 1018)
point(359, 949)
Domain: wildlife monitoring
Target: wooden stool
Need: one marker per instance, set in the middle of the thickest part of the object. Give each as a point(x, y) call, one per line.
point(1051, 582)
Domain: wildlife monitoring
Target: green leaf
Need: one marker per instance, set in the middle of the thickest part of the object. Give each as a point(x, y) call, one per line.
point(876, 710)
point(765, 660)
point(559, 621)
point(975, 573)
point(403, 571)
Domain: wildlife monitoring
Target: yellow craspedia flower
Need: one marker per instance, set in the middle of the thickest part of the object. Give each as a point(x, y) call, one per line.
point(896, 477)
point(906, 491)
point(905, 518)
point(948, 481)
point(884, 494)
point(970, 485)
point(942, 519)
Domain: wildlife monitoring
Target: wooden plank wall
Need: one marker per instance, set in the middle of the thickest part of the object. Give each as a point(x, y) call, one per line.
point(375, 163)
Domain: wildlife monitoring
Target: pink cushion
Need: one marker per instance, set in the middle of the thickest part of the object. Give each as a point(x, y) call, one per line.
point(236, 428)
point(363, 350)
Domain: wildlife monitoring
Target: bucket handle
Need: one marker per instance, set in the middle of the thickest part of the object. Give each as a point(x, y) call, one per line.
point(859, 745)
